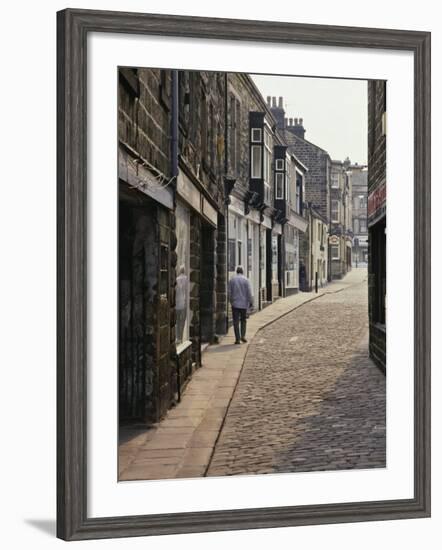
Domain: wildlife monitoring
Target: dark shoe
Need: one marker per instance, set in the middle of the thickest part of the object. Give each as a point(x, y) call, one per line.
point(244, 340)
point(237, 342)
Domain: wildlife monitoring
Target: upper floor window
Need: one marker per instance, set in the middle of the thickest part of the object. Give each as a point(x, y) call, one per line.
point(335, 211)
point(279, 185)
point(267, 156)
point(256, 135)
point(335, 180)
point(235, 134)
point(256, 161)
point(279, 164)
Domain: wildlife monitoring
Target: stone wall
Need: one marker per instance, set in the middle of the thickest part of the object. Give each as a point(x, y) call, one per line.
point(377, 90)
point(144, 115)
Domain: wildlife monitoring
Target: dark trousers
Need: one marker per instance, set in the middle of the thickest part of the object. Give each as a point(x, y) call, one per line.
point(239, 315)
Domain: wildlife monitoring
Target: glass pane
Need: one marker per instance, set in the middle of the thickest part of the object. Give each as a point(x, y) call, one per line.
point(256, 161)
point(182, 273)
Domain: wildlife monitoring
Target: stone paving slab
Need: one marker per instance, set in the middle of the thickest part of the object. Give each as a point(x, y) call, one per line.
point(191, 429)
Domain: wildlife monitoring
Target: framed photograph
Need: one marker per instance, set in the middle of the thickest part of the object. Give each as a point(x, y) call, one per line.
point(243, 339)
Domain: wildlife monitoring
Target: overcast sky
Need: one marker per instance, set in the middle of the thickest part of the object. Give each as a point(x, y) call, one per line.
point(334, 111)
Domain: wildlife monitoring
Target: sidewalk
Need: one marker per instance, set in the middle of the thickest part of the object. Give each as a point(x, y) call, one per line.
point(182, 444)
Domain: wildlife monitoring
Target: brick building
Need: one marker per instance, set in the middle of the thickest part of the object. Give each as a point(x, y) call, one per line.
point(376, 211)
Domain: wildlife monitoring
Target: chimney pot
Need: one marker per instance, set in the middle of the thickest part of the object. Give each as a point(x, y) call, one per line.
point(286, 121)
point(280, 102)
point(301, 120)
point(273, 101)
point(291, 121)
point(296, 122)
point(269, 101)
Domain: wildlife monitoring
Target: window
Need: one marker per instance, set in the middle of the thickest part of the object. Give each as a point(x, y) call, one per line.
point(279, 185)
point(256, 161)
point(356, 226)
point(363, 226)
point(335, 180)
point(279, 164)
point(267, 156)
point(335, 252)
point(235, 130)
point(335, 211)
point(231, 258)
point(182, 273)
point(298, 193)
point(362, 201)
point(267, 193)
point(211, 137)
point(256, 135)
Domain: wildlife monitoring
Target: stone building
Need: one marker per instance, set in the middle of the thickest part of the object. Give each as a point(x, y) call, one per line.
point(314, 251)
point(172, 232)
point(317, 167)
point(358, 175)
point(376, 211)
point(341, 232)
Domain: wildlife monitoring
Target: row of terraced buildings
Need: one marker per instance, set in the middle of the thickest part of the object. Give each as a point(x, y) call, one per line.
point(212, 176)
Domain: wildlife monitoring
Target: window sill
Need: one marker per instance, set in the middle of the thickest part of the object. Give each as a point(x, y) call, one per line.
point(183, 346)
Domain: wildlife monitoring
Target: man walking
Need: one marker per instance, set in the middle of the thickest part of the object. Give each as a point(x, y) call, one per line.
point(240, 296)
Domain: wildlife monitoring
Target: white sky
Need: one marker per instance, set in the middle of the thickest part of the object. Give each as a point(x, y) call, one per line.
point(334, 111)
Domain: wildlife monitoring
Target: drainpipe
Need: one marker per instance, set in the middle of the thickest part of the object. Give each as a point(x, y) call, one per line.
point(174, 163)
point(174, 124)
point(227, 200)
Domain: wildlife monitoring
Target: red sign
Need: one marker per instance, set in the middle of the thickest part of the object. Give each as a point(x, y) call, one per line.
point(376, 200)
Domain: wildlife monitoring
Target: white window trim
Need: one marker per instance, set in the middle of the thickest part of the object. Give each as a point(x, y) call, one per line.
point(279, 164)
point(280, 175)
point(260, 135)
point(338, 256)
point(337, 210)
point(252, 164)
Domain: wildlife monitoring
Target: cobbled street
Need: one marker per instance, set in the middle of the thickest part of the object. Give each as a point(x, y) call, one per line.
point(308, 397)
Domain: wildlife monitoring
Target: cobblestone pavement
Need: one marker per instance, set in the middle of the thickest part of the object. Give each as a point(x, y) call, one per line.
point(308, 397)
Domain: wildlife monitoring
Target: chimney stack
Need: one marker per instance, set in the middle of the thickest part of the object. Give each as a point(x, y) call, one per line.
point(296, 127)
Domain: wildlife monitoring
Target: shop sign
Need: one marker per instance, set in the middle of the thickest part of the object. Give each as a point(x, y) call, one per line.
point(376, 200)
point(209, 212)
point(188, 191)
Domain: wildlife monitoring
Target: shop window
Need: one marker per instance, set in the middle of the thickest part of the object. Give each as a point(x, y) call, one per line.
point(182, 273)
point(334, 249)
point(232, 255)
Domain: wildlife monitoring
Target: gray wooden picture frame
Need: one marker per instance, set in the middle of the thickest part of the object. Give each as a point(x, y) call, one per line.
point(73, 27)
